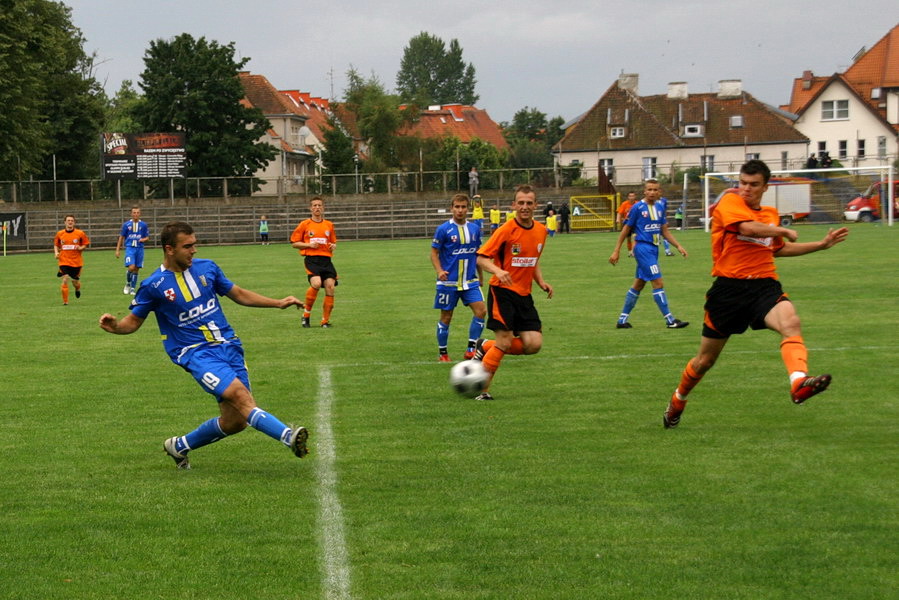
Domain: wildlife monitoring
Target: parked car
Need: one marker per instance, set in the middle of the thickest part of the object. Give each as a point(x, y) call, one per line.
point(866, 208)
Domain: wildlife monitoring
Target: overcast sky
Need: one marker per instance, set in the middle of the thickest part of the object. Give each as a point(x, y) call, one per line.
point(556, 57)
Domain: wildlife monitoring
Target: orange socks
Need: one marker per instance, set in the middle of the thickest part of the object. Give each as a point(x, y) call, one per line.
point(326, 309)
point(688, 380)
point(65, 293)
point(794, 354)
point(311, 295)
point(493, 355)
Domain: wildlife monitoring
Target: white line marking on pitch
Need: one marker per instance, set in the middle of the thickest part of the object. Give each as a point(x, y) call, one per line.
point(336, 563)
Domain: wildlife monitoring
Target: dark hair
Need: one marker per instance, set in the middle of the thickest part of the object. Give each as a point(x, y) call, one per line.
point(524, 188)
point(169, 234)
point(755, 167)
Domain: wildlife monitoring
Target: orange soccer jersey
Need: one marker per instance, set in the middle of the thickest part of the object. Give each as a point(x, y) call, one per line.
point(68, 242)
point(624, 209)
point(738, 256)
point(309, 231)
point(516, 250)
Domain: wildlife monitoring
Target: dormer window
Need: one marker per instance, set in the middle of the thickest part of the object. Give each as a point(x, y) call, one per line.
point(617, 132)
point(736, 121)
point(694, 131)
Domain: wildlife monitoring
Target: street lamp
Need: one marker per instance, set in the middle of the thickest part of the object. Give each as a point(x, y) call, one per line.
point(356, 165)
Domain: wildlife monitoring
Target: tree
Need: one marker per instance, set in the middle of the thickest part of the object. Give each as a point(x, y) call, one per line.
point(339, 155)
point(122, 109)
point(431, 74)
point(51, 103)
point(191, 86)
point(378, 115)
point(531, 138)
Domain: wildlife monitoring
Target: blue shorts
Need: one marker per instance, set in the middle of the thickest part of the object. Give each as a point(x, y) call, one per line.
point(134, 256)
point(647, 256)
point(216, 366)
point(447, 297)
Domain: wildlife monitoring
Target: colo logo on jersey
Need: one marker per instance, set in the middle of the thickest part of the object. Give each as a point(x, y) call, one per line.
point(197, 311)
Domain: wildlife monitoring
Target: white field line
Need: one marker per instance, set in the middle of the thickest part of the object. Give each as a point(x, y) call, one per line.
point(335, 559)
point(687, 353)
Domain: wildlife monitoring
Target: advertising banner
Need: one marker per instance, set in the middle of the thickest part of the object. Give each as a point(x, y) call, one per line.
point(143, 155)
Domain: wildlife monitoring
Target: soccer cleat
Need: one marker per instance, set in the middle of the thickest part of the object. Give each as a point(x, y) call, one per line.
point(671, 418)
point(807, 387)
point(443, 358)
point(127, 289)
point(298, 437)
point(624, 325)
point(479, 349)
point(306, 322)
point(669, 254)
point(77, 293)
point(677, 324)
point(133, 291)
point(484, 396)
point(326, 326)
point(181, 460)
point(469, 354)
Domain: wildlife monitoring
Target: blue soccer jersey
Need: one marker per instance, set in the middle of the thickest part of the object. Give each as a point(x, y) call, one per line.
point(646, 220)
point(134, 233)
point(457, 246)
point(187, 307)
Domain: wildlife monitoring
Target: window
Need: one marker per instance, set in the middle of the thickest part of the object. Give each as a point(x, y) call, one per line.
point(832, 110)
point(861, 148)
point(694, 130)
point(606, 164)
point(753, 156)
point(822, 147)
point(843, 146)
point(708, 162)
point(736, 121)
point(881, 146)
point(784, 160)
point(649, 166)
point(616, 133)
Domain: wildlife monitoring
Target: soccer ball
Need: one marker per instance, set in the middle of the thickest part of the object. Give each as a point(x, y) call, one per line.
point(469, 377)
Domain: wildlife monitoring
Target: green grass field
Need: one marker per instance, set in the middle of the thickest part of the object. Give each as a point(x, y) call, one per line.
point(566, 486)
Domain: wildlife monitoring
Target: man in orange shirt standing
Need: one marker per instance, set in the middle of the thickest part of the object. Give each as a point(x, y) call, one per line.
point(68, 245)
point(745, 239)
point(512, 255)
point(316, 240)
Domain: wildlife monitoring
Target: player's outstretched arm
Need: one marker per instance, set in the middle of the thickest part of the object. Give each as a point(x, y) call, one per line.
point(251, 298)
point(128, 324)
point(833, 237)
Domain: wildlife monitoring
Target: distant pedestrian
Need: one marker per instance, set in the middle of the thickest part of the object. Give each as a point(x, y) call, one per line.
point(473, 181)
point(564, 218)
point(263, 230)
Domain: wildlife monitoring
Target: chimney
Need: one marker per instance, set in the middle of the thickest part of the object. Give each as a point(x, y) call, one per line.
point(630, 82)
point(677, 90)
point(807, 80)
point(730, 88)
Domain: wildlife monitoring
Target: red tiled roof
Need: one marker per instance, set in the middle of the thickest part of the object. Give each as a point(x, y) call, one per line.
point(876, 68)
point(463, 122)
point(658, 122)
point(315, 110)
point(263, 95)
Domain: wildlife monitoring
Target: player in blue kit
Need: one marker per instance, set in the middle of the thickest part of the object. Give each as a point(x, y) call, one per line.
point(454, 257)
point(133, 235)
point(647, 219)
point(183, 293)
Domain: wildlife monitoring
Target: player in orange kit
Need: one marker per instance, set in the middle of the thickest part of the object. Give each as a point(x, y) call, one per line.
point(316, 240)
point(68, 245)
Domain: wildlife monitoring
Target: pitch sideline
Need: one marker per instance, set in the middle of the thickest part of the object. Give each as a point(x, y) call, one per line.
point(335, 558)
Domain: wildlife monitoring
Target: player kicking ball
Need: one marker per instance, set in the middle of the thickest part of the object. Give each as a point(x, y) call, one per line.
point(183, 293)
point(746, 238)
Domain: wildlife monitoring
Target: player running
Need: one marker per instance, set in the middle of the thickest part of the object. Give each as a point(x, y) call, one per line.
point(183, 293)
point(454, 257)
point(316, 240)
point(512, 255)
point(68, 245)
point(745, 239)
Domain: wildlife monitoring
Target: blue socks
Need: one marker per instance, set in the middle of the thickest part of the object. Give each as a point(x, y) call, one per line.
point(662, 302)
point(442, 335)
point(269, 424)
point(630, 301)
point(474, 331)
point(205, 434)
